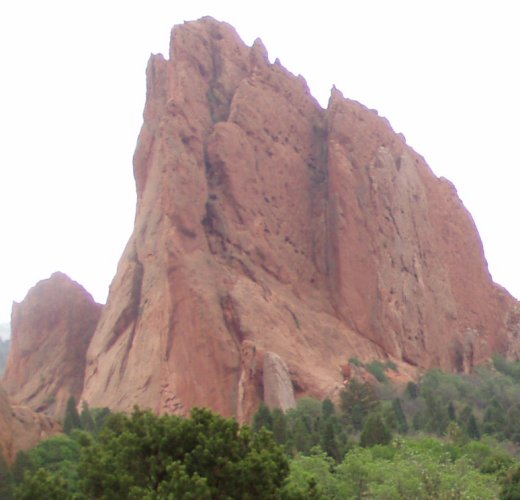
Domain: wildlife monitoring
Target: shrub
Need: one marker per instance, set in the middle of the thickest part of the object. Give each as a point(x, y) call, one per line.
point(377, 369)
point(355, 362)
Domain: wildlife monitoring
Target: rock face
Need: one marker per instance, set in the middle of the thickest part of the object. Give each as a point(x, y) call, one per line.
point(6, 428)
point(21, 428)
point(267, 224)
point(277, 383)
point(51, 331)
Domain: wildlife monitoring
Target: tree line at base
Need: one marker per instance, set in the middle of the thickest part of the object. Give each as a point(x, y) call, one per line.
point(449, 436)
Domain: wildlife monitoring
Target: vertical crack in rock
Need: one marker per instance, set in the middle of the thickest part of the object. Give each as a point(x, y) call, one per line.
point(130, 313)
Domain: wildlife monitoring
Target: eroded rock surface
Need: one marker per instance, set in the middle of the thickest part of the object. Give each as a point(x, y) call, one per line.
point(51, 330)
point(22, 428)
point(267, 224)
point(278, 389)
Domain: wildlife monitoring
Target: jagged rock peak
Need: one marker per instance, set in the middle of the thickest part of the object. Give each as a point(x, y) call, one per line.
point(267, 224)
point(50, 333)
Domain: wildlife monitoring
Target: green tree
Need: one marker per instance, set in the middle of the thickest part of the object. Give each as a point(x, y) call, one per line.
point(420, 469)
point(6, 480)
point(279, 426)
point(57, 456)
point(374, 432)
point(511, 485)
point(303, 425)
point(357, 400)
point(100, 415)
point(400, 417)
point(22, 464)
point(437, 419)
point(301, 439)
point(412, 390)
point(86, 419)
point(452, 415)
point(456, 434)
point(494, 421)
point(180, 484)
point(329, 441)
point(468, 423)
point(72, 418)
point(512, 427)
point(263, 418)
point(327, 408)
point(312, 476)
point(472, 427)
point(142, 455)
point(42, 485)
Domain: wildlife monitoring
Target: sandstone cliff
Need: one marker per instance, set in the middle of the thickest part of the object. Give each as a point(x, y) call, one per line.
point(267, 224)
point(21, 428)
point(51, 331)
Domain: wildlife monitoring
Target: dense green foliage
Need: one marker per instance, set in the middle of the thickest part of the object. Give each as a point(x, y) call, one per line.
point(374, 432)
point(448, 436)
point(144, 456)
point(72, 419)
point(424, 468)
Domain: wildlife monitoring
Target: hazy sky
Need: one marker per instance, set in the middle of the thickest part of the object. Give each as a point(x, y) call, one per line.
point(72, 91)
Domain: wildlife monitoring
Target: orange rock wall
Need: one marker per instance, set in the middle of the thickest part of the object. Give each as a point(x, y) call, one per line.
point(50, 333)
point(21, 428)
point(267, 228)
point(266, 223)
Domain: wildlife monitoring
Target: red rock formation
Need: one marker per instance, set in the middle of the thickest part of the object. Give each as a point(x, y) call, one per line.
point(277, 383)
point(6, 429)
point(51, 330)
point(21, 428)
point(265, 223)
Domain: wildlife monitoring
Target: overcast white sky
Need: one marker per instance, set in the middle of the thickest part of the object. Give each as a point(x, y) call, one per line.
point(72, 89)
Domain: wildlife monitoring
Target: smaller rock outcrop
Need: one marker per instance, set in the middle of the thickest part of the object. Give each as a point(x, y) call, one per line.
point(21, 428)
point(278, 388)
point(51, 331)
point(6, 431)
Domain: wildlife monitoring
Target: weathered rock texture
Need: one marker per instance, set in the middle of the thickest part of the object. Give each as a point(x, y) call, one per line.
point(266, 223)
point(51, 331)
point(277, 383)
point(22, 428)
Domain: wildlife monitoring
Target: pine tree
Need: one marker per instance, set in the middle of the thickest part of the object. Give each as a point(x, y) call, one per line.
point(327, 408)
point(401, 422)
point(87, 422)
point(374, 432)
point(72, 418)
point(412, 390)
point(452, 415)
point(357, 401)
point(300, 436)
point(263, 418)
point(279, 426)
point(494, 420)
point(472, 427)
point(329, 441)
point(6, 479)
point(436, 414)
